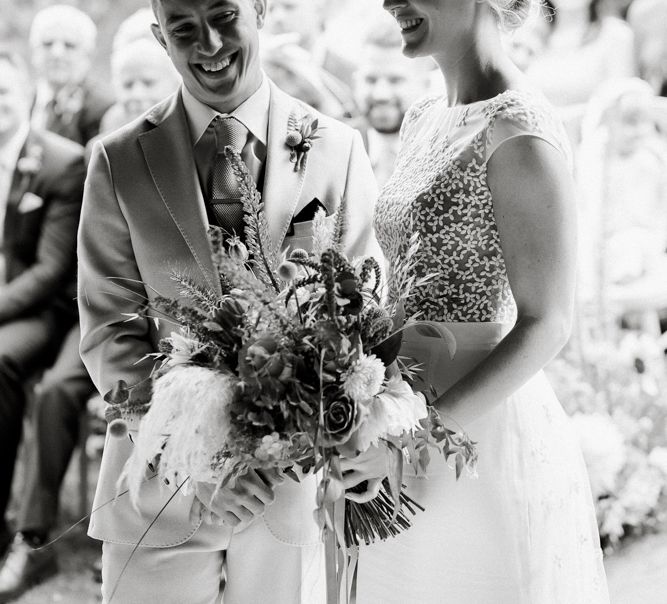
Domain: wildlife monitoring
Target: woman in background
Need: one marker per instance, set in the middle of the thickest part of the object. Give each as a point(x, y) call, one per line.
point(583, 49)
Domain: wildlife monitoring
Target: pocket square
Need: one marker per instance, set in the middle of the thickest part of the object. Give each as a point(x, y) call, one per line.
point(30, 202)
point(306, 214)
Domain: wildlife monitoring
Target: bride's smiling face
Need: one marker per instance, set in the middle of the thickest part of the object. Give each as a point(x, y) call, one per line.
point(431, 27)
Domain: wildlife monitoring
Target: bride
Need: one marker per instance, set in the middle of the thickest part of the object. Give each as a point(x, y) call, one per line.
point(484, 176)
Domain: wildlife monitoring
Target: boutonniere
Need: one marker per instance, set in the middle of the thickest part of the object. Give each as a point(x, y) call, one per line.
point(31, 162)
point(300, 136)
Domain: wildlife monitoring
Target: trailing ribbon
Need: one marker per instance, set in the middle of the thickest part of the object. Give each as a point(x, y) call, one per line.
point(341, 563)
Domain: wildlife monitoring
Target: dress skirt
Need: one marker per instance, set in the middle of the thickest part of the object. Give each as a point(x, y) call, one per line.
point(522, 532)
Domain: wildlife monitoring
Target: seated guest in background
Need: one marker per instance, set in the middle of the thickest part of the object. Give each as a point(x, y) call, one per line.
point(58, 402)
point(300, 24)
point(623, 190)
point(136, 27)
point(386, 84)
point(305, 19)
point(583, 49)
point(648, 19)
point(142, 75)
point(41, 186)
point(528, 42)
point(293, 70)
point(62, 43)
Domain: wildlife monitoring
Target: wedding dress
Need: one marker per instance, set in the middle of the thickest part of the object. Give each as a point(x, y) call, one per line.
point(524, 531)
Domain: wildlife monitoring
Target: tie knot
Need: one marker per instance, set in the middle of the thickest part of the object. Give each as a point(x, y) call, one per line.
point(229, 131)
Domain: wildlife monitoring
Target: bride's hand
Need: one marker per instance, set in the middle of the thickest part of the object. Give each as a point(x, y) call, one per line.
point(239, 502)
point(369, 466)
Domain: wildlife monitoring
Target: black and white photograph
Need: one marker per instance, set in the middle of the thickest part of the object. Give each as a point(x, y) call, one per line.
point(333, 301)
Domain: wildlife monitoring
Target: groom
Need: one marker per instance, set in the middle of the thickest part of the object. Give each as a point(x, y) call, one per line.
point(153, 188)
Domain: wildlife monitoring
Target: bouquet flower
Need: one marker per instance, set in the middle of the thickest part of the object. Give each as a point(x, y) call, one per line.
point(287, 370)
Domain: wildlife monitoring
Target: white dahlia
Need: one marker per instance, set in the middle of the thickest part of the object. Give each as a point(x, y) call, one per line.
point(364, 378)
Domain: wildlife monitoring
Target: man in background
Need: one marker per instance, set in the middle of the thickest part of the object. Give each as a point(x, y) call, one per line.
point(386, 84)
point(41, 186)
point(298, 56)
point(62, 43)
point(141, 72)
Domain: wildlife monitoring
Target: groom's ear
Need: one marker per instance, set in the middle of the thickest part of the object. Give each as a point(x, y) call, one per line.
point(157, 32)
point(260, 9)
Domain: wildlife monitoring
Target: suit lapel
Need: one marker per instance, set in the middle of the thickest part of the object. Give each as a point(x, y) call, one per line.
point(282, 185)
point(168, 153)
point(19, 187)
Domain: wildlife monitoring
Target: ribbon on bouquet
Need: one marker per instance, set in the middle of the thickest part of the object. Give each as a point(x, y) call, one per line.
point(341, 561)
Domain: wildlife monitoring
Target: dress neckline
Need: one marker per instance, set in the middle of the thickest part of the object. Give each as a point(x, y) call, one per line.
point(508, 92)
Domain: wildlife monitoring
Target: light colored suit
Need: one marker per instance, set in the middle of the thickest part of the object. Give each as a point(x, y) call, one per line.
point(144, 214)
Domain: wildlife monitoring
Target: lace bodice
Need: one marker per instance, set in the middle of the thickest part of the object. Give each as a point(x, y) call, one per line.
point(439, 189)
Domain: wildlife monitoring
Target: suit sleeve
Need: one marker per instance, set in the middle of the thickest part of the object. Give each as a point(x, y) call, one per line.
point(55, 255)
point(110, 289)
point(361, 194)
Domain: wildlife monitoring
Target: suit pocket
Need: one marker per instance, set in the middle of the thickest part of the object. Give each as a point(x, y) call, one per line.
point(290, 517)
point(115, 519)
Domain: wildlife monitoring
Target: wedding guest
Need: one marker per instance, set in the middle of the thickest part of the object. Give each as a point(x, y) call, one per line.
point(483, 175)
point(304, 21)
point(136, 27)
point(296, 47)
point(41, 186)
point(648, 19)
point(386, 84)
point(529, 41)
point(67, 101)
point(624, 214)
point(583, 50)
point(150, 198)
point(58, 402)
point(292, 68)
point(142, 75)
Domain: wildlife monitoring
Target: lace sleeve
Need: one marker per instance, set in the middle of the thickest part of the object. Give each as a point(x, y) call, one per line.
point(518, 114)
point(413, 114)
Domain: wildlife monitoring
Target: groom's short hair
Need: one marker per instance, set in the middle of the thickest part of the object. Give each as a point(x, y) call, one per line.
point(155, 4)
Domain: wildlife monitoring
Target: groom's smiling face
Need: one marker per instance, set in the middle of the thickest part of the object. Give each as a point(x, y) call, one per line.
point(214, 45)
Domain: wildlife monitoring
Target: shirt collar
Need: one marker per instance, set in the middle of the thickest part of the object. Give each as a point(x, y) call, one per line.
point(10, 152)
point(253, 113)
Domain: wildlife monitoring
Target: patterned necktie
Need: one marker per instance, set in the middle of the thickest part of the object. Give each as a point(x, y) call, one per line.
point(226, 204)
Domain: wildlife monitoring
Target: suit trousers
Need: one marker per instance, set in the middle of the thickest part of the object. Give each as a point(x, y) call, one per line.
point(254, 568)
point(26, 345)
point(60, 399)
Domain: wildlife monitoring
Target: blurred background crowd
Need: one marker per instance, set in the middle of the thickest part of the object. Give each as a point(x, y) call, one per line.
point(85, 68)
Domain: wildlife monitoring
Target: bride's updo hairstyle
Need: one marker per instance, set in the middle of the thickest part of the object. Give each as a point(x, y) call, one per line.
point(510, 13)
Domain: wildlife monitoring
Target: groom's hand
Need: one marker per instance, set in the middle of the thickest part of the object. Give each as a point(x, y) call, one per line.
point(239, 502)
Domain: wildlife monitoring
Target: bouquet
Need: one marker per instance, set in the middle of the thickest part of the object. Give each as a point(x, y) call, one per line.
point(286, 369)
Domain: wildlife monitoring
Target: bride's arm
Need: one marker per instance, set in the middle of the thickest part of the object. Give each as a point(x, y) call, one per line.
point(534, 209)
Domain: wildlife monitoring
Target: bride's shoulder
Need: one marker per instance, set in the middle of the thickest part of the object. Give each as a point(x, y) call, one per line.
point(523, 112)
point(523, 106)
